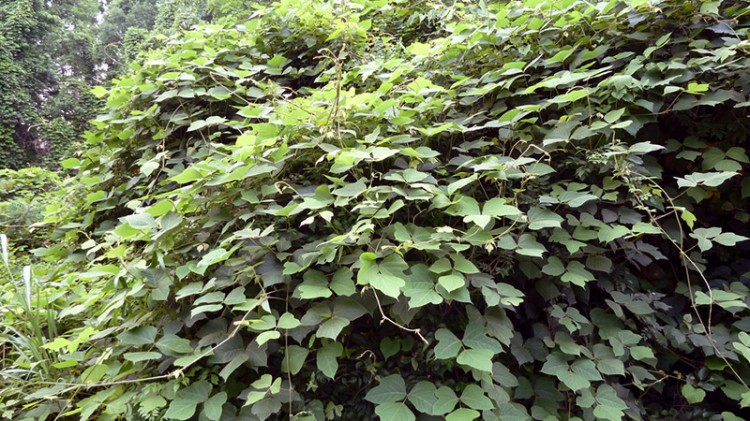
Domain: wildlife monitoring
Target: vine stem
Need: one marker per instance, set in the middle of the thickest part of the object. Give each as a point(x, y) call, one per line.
point(416, 331)
point(687, 263)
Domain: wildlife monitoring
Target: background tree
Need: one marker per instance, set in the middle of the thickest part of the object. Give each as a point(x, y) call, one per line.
point(28, 74)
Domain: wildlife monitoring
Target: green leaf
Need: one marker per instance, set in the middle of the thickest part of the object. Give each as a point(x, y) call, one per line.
point(197, 125)
point(394, 411)
point(294, 359)
point(348, 308)
point(441, 266)
point(99, 91)
point(608, 233)
point(422, 396)
point(692, 394)
point(463, 414)
point(448, 344)
point(190, 174)
point(729, 239)
point(233, 365)
point(197, 392)
point(418, 49)
point(529, 246)
point(180, 409)
point(326, 358)
point(388, 284)
point(342, 283)
point(140, 221)
point(642, 353)
point(608, 413)
point(576, 274)
point(688, 217)
point(540, 218)
point(389, 347)
point(609, 405)
point(728, 416)
point(446, 401)
point(587, 369)
point(452, 282)
point(287, 321)
point(577, 199)
point(555, 363)
point(474, 397)
point(141, 356)
point(745, 401)
point(387, 276)
point(571, 96)
point(704, 237)
point(509, 295)
point(268, 335)
point(57, 344)
point(554, 266)
point(422, 297)
point(332, 327)
point(599, 263)
point(314, 285)
point(642, 148)
point(710, 179)
point(697, 88)
point(212, 408)
point(142, 335)
point(152, 402)
point(172, 344)
point(497, 208)
point(513, 412)
point(184, 405)
point(574, 381)
point(480, 359)
point(391, 389)
point(70, 163)
point(611, 367)
point(461, 264)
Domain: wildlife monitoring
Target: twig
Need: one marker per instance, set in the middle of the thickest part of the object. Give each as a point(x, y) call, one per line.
point(398, 325)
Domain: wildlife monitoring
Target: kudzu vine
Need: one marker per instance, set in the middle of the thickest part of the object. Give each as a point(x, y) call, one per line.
point(377, 209)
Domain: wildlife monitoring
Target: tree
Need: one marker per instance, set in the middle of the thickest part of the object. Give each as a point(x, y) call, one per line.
point(46, 56)
point(26, 75)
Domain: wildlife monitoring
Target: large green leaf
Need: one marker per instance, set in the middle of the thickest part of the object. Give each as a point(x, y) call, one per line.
point(326, 358)
point(422, 396)
point(480, 359)
point(448, 344)
point(390, 389)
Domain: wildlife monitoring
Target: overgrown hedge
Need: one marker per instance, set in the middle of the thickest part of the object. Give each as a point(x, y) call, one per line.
point(517, 210)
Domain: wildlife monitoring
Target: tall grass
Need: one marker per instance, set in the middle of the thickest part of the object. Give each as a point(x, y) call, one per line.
point(22, 328)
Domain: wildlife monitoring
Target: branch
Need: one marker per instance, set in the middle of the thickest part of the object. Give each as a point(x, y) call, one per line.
point(398, 325)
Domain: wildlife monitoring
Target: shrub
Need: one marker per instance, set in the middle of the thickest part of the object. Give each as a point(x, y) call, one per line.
point(509, 211)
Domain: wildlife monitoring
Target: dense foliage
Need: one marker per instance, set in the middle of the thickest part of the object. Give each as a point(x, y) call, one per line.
point(53, 52)
point(47, 67)
point(523, 210)
point(25, 74)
